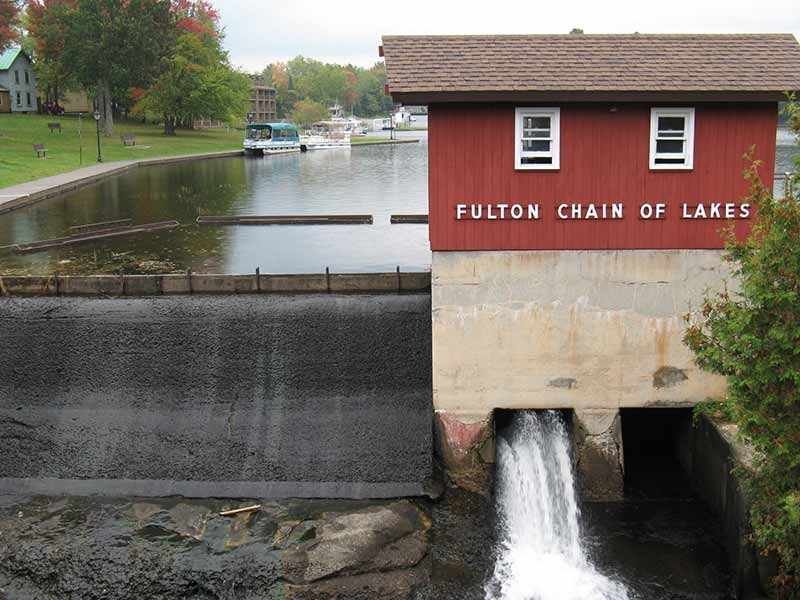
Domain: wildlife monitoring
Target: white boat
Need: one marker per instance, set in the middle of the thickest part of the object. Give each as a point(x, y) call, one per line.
point(271, 138)
point(327, 134)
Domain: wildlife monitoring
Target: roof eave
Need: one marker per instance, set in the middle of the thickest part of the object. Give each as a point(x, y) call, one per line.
point(434, 97)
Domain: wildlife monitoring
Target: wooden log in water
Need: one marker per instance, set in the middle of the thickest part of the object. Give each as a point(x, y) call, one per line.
point(397, 219)
point(286, 220)
point(101, 224)
point(98, 234)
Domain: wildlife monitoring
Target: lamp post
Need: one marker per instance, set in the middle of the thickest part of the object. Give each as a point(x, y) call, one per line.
point(97, 123)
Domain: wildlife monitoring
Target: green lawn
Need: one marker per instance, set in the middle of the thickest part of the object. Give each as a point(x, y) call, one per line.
point(18, 133)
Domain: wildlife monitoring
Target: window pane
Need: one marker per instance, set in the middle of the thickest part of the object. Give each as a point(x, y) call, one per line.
point(536, 123)
point(670, 134)
point(669, 146)
point(671, 124)
point(670, 161)
point(536, 145)
point(536, 160)
point(536, 133)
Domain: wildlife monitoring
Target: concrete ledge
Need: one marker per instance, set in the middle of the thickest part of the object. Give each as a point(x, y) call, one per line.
point(25, 194)
point(154, 488)
point(176, 284)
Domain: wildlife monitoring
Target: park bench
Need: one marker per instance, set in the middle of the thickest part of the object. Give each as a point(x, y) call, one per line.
point(41, 151)
point(54, 126)
point(128, 140)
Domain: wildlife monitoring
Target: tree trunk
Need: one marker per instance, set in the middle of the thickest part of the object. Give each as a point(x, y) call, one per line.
point(105, 107)
point(169, 125)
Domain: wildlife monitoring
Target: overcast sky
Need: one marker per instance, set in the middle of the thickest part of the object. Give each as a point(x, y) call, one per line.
point(259, 32)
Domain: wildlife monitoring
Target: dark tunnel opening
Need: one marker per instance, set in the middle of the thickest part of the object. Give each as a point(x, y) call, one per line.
point(657, 452)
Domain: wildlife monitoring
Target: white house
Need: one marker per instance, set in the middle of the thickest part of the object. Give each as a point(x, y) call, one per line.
point(17, 82)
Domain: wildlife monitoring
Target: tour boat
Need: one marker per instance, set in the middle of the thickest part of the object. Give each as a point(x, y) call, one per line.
point(327, 134)
point(271, 138)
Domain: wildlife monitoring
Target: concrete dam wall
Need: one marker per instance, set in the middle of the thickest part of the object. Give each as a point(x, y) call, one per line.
point(232, 396)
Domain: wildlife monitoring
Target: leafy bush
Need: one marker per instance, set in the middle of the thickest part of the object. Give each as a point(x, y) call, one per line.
point(752, 337)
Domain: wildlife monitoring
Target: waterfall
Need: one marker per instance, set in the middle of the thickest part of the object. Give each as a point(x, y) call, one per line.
point(540, 555)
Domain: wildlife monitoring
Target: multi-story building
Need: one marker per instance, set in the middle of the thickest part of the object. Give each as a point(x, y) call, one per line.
point(263, 107)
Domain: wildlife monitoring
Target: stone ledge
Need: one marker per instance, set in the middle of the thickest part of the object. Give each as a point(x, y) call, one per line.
point(156, 488)
point(203, 283)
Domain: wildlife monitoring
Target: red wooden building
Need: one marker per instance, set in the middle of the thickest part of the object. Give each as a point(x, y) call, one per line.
point(591, 141)
point(577, 187)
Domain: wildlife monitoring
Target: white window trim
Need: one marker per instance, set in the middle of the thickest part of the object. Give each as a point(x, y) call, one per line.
point(555, 143)
point(687, 154)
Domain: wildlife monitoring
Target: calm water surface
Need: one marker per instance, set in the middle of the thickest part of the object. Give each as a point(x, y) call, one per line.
point(376, 180)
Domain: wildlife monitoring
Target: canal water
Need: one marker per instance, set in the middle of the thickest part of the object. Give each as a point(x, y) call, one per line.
point(376, 180)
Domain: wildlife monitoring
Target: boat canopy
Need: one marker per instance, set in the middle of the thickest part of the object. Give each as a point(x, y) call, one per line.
point(275, 130)
point(273, 126)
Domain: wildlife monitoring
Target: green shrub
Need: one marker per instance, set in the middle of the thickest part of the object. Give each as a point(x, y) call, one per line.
point(752, 337)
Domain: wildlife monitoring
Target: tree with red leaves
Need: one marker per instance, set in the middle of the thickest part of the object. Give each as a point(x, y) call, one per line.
point(196, 80)
point(196, 16)
point(46, 23)
point(9, 19)
point(350, 93)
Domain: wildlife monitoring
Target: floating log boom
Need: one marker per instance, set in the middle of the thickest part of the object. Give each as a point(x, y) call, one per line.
point(398, 219)
point(286, 220)
point(97, 234)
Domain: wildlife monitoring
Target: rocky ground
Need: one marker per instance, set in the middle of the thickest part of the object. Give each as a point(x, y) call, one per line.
point(83, 548)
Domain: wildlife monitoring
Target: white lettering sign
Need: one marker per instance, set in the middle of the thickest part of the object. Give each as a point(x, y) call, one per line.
point(590, 211)
point(494, 212)
point(598, 211)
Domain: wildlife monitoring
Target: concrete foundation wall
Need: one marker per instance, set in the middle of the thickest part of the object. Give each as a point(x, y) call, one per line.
point(592, 331)
point(713, 453)
point(290, 395)
point(570, 329)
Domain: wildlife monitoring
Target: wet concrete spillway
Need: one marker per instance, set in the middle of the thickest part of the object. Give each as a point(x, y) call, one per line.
point(316, 395)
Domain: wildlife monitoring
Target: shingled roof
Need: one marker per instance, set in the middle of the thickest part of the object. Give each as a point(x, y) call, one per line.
point(591, 67)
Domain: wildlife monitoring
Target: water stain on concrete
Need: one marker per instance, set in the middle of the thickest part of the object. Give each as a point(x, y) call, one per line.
point(667, 377)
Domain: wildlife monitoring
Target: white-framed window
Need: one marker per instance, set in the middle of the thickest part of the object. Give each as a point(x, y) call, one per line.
point(536, 138)
point(672, 138)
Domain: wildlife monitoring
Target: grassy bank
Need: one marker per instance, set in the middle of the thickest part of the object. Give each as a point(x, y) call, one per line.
point(18, 133)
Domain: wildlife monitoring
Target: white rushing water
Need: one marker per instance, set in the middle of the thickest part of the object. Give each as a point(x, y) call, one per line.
point(540, 555)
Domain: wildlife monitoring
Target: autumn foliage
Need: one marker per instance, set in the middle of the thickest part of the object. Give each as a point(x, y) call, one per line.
point(9, 19)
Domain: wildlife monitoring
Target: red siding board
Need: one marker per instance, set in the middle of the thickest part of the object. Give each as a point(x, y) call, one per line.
point(604, 158)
